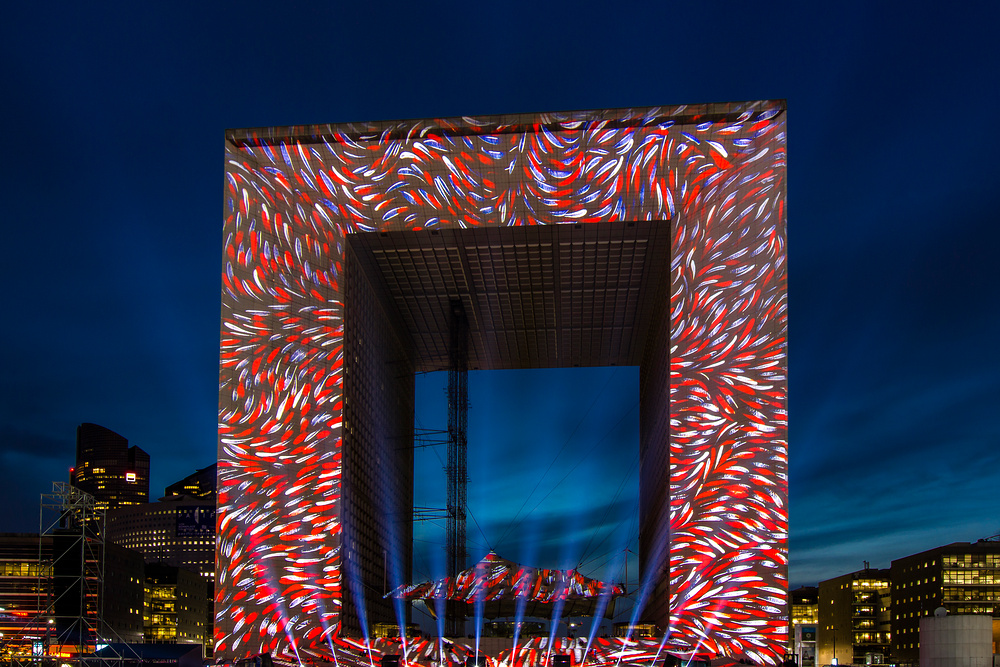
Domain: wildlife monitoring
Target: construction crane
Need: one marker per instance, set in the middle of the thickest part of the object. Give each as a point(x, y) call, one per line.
point(458, 477)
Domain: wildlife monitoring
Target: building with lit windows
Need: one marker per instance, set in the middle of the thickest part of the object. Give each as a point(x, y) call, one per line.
point(803, 618)
point(199, 484)
point(108, 469)
point(854, 621)
point(176, 607)
point(177, 531)
point(804, 606)
point(964, 578)
point(25, 572)
point(122, 606)
point(36, 572)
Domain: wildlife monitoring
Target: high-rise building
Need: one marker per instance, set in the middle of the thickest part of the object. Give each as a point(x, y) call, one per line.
point(122, 604)
point(854, 621)
point(176, 537)
point(177, 531)
point(199, 484)
point(108, 469)
point(650, 237)
point(962, 577)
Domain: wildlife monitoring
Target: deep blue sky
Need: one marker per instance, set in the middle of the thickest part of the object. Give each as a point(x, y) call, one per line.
point(553, 462)
point(112, 188)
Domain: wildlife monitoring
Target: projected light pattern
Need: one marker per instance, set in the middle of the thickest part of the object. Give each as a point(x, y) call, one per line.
point(535, 652)
point(292, 195)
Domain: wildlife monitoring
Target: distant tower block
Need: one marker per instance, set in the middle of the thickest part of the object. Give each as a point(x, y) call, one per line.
point(115, 474)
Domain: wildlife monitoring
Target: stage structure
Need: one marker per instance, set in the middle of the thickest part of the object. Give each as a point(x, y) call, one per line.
point(504, 589)
point(652, 237)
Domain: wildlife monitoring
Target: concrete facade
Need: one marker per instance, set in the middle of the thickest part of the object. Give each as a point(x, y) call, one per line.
point(956, 641)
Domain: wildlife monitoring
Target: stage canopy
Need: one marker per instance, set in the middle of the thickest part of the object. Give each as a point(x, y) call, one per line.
point(503, 586)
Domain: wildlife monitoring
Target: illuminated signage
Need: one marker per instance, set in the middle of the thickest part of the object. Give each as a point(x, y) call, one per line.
point(196, 521)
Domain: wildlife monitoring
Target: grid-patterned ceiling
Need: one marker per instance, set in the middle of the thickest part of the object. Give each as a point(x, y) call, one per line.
point(535, 296)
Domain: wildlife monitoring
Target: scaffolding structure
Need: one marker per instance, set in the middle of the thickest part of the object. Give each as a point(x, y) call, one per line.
point(74, 605)
point(67, 626)
point(458, 477)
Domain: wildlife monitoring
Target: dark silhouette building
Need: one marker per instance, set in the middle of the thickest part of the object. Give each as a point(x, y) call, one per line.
point(108, 469)
point(122, 606)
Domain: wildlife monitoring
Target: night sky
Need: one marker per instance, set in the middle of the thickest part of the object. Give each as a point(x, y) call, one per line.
point(112, 178)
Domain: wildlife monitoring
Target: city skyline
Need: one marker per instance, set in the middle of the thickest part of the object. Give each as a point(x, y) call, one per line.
point(115, 200)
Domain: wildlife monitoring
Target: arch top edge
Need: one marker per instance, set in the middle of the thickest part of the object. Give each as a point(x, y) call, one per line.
point(500, 124)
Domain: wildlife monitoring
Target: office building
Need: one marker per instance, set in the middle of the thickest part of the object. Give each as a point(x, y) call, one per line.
point(25, 573)
point(649, 237)
point(963, 578)
point(175, 606)
point(854, 619)
point(108, 469)
point(199, 484)
point(803, 619)
point(44, 586)
point(177, 531)
point(122, 606)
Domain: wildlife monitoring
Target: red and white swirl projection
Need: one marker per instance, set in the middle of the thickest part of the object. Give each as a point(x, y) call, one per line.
point(293, 194)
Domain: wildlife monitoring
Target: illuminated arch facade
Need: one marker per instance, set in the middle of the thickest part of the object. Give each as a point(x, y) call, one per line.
point(343, 245)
